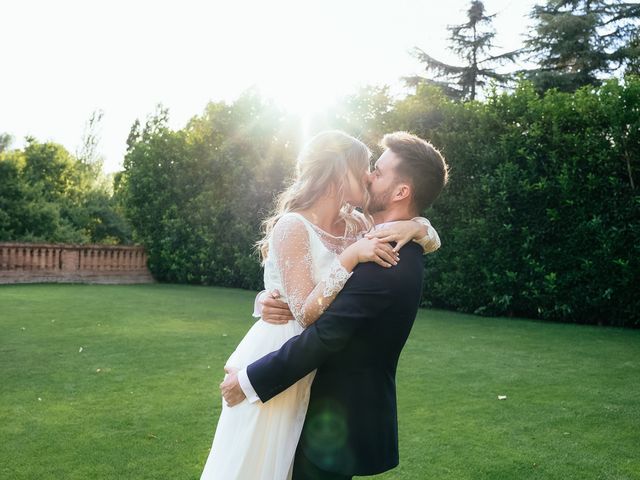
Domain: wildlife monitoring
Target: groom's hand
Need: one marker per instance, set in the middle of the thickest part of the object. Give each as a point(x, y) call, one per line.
point(274, 310)
point(230, 388)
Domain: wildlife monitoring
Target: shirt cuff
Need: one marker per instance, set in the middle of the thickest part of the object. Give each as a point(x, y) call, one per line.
point(257, 306)
point(431, 241)
point(247, 388)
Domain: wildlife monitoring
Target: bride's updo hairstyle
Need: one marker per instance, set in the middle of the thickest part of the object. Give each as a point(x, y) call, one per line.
point(324, 161)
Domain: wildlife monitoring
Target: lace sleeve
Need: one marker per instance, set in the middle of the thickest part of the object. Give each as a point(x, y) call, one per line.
point(292, 253)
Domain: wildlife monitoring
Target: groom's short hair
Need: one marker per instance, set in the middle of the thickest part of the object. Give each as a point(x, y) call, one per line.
point(421, 165)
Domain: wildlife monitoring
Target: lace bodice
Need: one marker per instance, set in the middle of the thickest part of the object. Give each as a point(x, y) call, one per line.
point(303, 265)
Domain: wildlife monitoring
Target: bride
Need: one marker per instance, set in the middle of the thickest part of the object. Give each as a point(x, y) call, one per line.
point(310, 247)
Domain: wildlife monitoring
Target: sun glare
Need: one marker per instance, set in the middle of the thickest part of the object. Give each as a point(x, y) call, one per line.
point(305, 100)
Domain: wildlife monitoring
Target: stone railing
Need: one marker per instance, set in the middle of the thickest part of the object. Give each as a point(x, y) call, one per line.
point(44, 262)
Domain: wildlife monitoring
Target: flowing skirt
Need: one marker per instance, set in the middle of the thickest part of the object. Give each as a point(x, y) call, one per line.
point(257, 441)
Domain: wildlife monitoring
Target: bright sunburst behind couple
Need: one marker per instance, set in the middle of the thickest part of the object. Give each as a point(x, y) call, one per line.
point(304, 97)
point(304, 56)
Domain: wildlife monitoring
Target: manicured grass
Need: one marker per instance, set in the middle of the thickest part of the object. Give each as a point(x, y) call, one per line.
point(140, 401)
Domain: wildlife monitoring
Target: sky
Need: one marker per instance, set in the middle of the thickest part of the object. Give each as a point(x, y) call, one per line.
point(64, 60)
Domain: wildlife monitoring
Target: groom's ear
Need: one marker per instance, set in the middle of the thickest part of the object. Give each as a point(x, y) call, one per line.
point(402, 191)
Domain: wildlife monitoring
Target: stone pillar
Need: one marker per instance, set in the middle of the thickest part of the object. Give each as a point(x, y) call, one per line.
point(69, 260)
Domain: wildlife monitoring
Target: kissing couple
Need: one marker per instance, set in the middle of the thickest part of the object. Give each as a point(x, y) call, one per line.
point(310, 391)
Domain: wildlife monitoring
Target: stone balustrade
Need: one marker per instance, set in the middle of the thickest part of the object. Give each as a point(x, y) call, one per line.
point(44, 262)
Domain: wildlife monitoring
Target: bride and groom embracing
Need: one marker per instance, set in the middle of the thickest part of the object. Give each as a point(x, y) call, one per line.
point(310, 390)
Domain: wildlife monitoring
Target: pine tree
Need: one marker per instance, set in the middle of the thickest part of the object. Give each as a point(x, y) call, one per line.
point(632, 52)
point(578, 42)
point(471, 41)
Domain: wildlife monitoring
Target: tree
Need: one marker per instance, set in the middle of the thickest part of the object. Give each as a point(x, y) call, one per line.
point(12, 196)
point(578, 42)
point(364, 114)
point(5, 142)
point(196, 196)
point(472, 41)
point(87, 153)
point(539, 218)
point(52, 170)
point(633, 54)
point(46, 194)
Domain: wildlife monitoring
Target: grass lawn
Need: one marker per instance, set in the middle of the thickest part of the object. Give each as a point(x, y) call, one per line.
point(121, 382)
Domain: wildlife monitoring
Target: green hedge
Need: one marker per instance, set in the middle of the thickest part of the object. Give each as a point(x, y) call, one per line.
point(197, 196)
point(540, 218)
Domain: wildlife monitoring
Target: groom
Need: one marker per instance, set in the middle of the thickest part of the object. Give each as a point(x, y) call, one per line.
point(351, 424)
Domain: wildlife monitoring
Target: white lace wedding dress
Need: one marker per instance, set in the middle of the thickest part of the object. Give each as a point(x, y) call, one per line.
point(256, 441)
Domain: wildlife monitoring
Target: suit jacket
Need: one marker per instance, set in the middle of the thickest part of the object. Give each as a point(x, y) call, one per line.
point(351, 425)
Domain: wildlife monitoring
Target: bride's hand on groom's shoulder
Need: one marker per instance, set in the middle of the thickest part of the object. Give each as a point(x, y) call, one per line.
point(369, 250)
point(401, 232)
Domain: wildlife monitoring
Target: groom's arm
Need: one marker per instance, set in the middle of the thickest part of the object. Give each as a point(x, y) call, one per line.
point(363, 297)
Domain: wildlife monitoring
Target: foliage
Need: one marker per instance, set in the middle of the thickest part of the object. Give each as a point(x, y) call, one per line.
point(471, 41)
point(632, 52)
point(365, 114)
point(47, 195)
point(5, 141)
point(576, 42)
point(88, 154)
point(540, 217)
point(197, 195)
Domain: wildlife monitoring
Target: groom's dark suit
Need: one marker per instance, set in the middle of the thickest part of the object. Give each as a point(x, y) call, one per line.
point(351, 425)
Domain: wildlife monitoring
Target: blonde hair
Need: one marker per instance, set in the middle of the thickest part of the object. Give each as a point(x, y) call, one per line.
point(324, 161)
